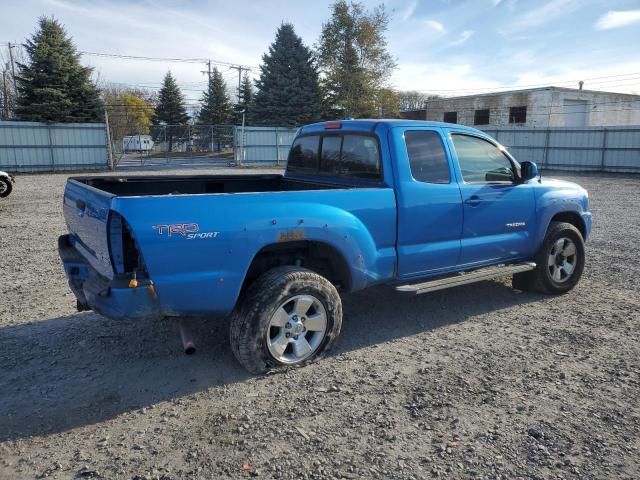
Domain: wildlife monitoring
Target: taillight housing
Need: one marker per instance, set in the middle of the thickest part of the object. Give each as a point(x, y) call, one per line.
point(125, 255)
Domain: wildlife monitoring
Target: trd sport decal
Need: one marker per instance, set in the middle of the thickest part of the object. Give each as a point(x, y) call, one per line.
point(190, 231)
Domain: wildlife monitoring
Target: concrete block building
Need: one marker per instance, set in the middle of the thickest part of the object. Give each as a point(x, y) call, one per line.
point(538, 107)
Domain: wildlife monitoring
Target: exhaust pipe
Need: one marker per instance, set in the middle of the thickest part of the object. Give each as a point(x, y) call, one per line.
point(187, 341)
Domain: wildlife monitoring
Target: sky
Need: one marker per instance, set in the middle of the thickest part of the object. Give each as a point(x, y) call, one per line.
point(446, 47)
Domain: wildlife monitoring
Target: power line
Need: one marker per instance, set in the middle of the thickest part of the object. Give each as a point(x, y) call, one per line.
point(533, 85)
point(166, 59)
point(552, 110)
point(546, 84)
point(463, 91)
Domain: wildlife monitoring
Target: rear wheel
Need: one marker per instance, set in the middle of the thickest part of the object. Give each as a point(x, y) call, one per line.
point(559, 262)
point(289, 316)
point(5, 187)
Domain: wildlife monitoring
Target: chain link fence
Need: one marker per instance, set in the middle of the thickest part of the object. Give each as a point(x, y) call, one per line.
point(176, 145)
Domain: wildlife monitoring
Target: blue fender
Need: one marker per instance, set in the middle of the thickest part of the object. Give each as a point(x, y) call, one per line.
point(345, 232)
point(554, 197)
point(205, 274)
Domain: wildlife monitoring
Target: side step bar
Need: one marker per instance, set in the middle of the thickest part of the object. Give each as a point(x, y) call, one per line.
point(465, 278)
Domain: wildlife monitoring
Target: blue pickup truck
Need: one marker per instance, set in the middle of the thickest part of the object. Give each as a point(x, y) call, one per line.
point(420, 206)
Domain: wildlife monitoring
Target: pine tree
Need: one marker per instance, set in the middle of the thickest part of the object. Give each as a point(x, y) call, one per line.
point(245, 101)
point(170, 110)
point(288, 88)
point(216, 104)
point(53, 86)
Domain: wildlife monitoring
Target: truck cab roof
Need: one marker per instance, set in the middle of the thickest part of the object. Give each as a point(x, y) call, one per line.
point(371, 124)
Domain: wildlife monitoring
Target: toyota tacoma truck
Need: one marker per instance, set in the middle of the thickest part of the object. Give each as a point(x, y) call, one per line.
point(420, 206)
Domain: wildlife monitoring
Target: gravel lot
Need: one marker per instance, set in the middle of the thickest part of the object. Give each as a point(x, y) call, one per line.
point(477, 382)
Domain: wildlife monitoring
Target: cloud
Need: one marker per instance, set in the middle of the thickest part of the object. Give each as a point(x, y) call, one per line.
point(437, 26)
point(464, 36)
point(432, 77)
point(509, 5)
point(427, 59)
point(543, 14)
point(408, 12)
point(617, 19)
point(465, 77)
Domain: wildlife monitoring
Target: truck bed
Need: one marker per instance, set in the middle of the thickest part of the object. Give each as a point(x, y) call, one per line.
point(128, 186)
point(111, 219)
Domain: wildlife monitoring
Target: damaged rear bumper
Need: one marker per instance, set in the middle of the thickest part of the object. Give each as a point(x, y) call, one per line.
point(113, 298)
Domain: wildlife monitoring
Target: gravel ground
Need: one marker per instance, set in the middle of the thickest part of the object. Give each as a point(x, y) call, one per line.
point(476, 382)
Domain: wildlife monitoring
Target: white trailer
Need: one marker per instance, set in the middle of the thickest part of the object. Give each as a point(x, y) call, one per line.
point(137, 143)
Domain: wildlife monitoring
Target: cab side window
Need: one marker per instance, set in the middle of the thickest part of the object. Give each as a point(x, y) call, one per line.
point(427, 158)
point(481, 161)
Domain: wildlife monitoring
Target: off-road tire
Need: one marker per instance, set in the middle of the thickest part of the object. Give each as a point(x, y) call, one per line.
point(249, 323)
point(7, 187)
point(539, 279)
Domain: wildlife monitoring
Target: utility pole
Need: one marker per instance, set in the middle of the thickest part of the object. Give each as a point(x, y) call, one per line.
point(208, 70)
point(240, 69)
point(242, 139)
point(108, 135)
point(13, 69)
point(5, 96)
point(13, 79)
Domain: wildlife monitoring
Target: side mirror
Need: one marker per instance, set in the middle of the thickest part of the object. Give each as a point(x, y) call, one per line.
point(528, 170)
point(503, 174)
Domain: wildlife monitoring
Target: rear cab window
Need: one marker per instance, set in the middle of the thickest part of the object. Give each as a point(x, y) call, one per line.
point(330, 154)
point(303, 155)
point(349, 156)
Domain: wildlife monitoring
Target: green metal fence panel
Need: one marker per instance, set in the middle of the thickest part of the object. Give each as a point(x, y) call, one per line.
point(263, 145)
point(44, 147)
point(602, 149)
point(605, 149)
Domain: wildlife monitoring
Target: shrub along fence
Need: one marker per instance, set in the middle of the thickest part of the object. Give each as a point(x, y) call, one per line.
point(50, 147)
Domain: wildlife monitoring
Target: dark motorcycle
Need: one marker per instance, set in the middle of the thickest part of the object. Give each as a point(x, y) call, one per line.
point(6, 184)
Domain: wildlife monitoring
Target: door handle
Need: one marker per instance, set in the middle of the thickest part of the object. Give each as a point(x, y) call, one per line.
point(473, 200)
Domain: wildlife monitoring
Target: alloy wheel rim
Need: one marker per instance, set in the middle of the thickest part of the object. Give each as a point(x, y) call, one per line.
point(562, 260)
point(296, 329)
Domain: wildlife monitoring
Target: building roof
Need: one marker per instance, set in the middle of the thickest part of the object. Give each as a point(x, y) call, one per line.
point(529, 90)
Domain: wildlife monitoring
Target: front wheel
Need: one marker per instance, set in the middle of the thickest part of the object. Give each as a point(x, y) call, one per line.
point(5, 187)
point(288, 317)
point(559, 262)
